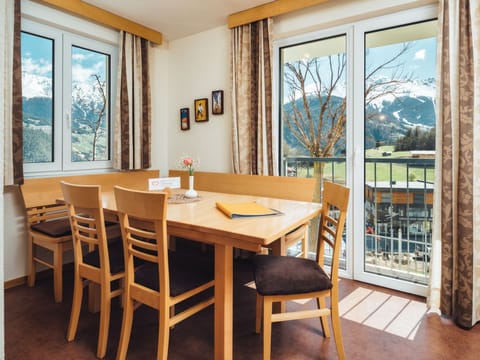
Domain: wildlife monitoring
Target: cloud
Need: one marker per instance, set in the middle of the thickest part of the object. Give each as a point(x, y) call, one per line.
point(39, 67)
point(420, 54)
point(84, 74)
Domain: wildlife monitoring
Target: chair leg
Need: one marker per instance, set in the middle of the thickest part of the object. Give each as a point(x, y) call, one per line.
point(172, 243)
point(323, 319)
point(126, 327)
point(172, 314)
point(163, 333)
point(76, 305)
point(31, 262)
point(93, 297)
point(105, 307)
point(267, 327)
point(337, 332)
point(258, 313)
point(305, 242)
point(58, 273)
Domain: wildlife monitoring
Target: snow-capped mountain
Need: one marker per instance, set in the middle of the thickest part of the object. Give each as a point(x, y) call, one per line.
point(415, 89)
point(388, 116)
point(36, 86)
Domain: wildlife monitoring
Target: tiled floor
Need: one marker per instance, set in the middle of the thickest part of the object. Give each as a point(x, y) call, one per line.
point(376, 324)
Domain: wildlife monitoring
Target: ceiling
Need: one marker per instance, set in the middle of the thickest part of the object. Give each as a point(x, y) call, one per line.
point(177, 18)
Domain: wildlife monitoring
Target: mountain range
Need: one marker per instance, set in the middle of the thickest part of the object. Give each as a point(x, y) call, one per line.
point(387, 118)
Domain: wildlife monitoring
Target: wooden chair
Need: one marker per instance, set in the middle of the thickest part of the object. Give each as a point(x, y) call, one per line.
point(157, 284)
point(48, 228)
point(101, 264)
point(307, 278)
point(48, 223)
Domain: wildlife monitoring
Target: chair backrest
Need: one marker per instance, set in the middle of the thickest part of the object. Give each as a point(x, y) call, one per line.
point(281, 187)
point(44, 191)
point(43, 214)
point(143, 219)
point(85, 208)
point(332, 222)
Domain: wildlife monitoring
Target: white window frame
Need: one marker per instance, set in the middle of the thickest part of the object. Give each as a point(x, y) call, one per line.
point(355, 125)
point(378, 23)
point(50, 33)
point(69, 41)
point(346, 31)
point(65, 36)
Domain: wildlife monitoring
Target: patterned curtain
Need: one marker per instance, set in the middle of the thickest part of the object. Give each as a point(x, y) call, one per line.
point(132, 146)
point(253, 134)
point(456, 230)
point(13, 129)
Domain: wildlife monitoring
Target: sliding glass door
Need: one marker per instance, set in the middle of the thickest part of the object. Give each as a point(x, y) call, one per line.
point(399, 150)
point(356, 106)
point(313, 107)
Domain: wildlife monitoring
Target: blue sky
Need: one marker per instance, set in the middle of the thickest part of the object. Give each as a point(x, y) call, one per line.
point(416, 64)
point(37, 59)
point(419, 59)
point(37, 55)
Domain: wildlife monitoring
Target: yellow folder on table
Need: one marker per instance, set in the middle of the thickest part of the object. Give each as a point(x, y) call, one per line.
point(245, 209)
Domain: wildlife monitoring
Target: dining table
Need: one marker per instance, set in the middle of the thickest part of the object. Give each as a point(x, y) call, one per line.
point(200, 220)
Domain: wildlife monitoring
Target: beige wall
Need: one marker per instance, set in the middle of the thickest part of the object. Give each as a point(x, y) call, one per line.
point(188, 69)
point(201, 63)
point(198, 65)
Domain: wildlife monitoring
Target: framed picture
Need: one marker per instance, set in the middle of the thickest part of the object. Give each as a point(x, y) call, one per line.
point(201, 109)
point(217, 102)
point(185, 118)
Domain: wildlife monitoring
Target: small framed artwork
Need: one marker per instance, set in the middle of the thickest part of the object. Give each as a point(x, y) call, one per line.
point(201, 109)
point(185, 118)
point(217, 102)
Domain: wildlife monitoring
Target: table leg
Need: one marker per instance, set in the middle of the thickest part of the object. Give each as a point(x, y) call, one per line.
point(279, 249)
point(223, 339)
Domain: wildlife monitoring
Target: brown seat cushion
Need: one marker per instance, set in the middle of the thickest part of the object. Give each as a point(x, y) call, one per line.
point(186, 272)
point(54, 228)
point(284, 275)
point(115, 256)
point(61, 227)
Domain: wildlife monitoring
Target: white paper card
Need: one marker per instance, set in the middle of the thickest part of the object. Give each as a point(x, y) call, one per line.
point(162, 183)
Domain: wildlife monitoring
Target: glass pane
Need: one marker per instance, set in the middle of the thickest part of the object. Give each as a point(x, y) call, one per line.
point(313, 116)
point(37, 98)
point(399, 150)
point(90, 105)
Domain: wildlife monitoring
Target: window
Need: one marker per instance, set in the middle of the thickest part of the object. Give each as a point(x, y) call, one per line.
point(386, 198)
point(355, 105)
point(418, 198)
point(68, 97)
point(313, 110)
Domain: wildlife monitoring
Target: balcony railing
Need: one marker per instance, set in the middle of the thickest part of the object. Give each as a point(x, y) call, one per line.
point(397, 207)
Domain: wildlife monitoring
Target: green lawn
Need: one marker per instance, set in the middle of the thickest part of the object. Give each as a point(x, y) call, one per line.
point(382, 171)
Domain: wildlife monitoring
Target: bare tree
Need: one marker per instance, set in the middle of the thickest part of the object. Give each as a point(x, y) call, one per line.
point(92, 107)
point(316, 116)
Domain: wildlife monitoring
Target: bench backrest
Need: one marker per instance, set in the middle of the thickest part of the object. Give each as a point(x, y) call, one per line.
point(281, 187)
point(44, 191)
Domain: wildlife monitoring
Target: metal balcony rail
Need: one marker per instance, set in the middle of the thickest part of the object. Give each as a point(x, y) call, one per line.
point(398, 211)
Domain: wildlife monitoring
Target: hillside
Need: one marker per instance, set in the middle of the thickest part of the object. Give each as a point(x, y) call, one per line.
point(385, 121)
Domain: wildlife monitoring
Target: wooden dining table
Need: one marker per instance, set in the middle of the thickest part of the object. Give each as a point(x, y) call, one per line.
point(200, 220)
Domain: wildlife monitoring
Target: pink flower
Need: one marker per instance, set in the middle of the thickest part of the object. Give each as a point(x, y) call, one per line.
point(188, 161)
